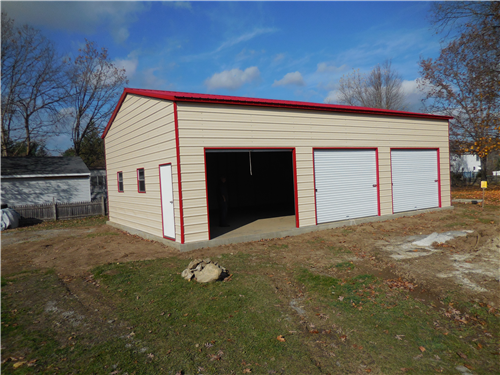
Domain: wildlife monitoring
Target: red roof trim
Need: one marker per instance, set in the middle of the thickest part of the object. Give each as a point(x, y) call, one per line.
point(238, 100)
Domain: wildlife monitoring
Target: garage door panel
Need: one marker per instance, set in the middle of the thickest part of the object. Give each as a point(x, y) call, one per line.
point(345, 184)
point(415, 182)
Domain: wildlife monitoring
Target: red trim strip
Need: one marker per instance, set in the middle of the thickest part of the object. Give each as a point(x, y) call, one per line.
point(138, 187)
point(314, 178)
point(118, 181)
point(235, 100)
point(346, 148)
point(107, 185)
point(439, 176)
point(392, 184)
point(178, 152)
point(161, 205)
point(206, 191)
point(297, 223)
point(438, 168)
point(296, 200)
point(378, 180)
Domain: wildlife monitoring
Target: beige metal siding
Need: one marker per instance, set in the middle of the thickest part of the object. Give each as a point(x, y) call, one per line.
point(141, 136)
point(214, 125)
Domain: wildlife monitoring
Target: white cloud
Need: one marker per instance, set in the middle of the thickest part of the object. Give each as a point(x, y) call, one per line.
point(178, 4)
point(232, 79)
point(229, 43)
point(323, 67)
point(294, 78)
point(278, 57)
point(244, 38)
point(332, 97)
point(129, 64)
point(414, 95)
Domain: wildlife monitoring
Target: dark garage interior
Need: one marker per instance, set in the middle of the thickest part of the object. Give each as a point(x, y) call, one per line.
point(259, 185)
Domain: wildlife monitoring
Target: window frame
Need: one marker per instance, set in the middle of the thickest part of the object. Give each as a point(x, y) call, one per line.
point(139, 180)
point(118, 175)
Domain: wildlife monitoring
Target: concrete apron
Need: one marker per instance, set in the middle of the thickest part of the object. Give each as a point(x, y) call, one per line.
point(266, 231)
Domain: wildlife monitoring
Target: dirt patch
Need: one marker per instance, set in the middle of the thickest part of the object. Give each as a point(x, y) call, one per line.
point(466, 265)
point(73, 252)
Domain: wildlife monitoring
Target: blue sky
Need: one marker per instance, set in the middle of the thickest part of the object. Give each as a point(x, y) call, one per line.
point(276, 50)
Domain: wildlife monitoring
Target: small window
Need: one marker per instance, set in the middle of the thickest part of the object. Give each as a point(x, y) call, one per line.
point(141, 182)
point(120, 182)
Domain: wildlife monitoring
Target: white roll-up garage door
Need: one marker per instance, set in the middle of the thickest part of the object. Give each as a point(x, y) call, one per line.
point(346, 184)
point(415, 181)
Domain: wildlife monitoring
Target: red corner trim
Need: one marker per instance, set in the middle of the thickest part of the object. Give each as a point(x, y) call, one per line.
point(439, 176)
point(107, 185)
point(378, 180)
point(314, 178)
point(206, 191)
point(297, 221)
point(179, 182)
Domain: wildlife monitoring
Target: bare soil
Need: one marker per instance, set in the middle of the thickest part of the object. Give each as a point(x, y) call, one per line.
point(465, 267)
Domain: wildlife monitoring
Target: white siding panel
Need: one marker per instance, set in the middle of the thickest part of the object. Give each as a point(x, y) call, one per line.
point(18, 192)
point(141, 136)
point(223, 126)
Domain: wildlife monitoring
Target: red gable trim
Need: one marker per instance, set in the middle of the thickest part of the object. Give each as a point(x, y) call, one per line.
point(237, 100)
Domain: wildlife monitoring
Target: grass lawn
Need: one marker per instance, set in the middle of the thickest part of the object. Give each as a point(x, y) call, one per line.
point(156, 322)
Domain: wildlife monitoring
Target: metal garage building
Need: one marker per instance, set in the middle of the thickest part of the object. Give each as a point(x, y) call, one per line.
point(320, 163)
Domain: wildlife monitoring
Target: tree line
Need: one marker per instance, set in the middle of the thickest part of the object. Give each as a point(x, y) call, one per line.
point(462, 82)
point(45, 93)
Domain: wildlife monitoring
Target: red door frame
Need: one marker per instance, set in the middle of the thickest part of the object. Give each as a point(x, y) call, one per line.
point(416, 149)
point(161, 202)
point(292, 149)
point(346, 148)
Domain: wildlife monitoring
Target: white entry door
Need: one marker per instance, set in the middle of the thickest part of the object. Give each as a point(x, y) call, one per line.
point(167, 201)
point(346, 184)
point(415, 180)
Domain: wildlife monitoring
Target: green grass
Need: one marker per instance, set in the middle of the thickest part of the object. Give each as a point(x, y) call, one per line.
point(339, 250)
point(392, 326)
point(62, 224)
point(345, 266)
point(278, 247)
point(163, 324)
point(456, 224)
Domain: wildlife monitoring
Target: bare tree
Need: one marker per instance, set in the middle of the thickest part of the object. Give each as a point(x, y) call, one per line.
point(463, 82)
point(381, 88)
point(95, 84)
point(454, 17)
point(32, 82)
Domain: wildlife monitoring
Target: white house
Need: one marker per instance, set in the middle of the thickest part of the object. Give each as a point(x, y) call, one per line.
point(38, 180)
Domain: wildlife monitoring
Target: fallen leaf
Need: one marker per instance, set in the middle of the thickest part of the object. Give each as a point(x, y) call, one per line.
point(422, 349)
point(462, 355)
point(341, 298)
point(18, 364)
point(247, 370)
point(468, 366)
point(280, 338)
point(479, 346)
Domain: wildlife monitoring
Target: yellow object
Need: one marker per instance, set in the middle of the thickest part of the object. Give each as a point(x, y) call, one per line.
point(484, 184)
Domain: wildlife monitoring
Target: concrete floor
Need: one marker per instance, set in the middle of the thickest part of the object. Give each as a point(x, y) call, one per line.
point(243, 223)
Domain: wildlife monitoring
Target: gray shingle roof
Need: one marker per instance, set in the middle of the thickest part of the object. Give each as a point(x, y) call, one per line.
point(51, 165)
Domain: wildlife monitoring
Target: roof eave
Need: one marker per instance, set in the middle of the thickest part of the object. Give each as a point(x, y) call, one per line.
point(165, 95)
